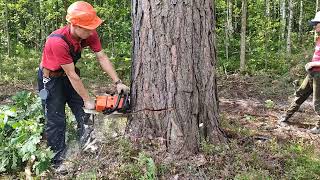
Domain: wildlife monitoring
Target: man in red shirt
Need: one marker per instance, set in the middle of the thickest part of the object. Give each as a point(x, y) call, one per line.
point(58, 78)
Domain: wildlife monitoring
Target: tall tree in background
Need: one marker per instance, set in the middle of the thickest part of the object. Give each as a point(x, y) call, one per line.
point(228, 27)
point(300, 21)
point(266, 33)
point(283, 18)
point(290, 6)
point(243, 36)
point(7, 28)
point(174, 88)
point(230, 15)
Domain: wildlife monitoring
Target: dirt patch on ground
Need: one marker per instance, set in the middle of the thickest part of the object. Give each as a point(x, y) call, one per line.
point(8, 90)
point(243, 100)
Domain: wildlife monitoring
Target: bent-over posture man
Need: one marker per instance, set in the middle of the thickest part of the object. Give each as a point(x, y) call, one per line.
point(59, 82)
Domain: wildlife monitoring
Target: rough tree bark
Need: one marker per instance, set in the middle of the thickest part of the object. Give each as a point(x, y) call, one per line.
point(173, 73)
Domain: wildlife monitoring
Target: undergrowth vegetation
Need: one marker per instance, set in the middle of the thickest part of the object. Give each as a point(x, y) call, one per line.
point(21, 127)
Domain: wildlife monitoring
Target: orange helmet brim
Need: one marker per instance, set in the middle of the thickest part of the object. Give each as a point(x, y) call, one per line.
point(93, 24)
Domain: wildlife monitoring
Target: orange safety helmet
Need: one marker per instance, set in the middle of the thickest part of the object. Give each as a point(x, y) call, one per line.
point(82, 14)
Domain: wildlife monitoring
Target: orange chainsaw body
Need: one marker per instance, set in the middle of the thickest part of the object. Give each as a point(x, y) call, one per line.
point(108, 102)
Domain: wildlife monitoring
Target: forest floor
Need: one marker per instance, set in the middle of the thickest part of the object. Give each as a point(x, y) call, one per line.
point(258, 147)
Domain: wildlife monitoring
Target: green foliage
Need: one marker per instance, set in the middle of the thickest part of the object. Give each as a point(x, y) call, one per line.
point(30, 23)
point(134, 164)
point(265, 37)
point(20, 135)
point(143, 168)
point(269, 104)
point(249, 117)
point(148, 166)
point(253, 174)
point(92, 174)
point(302, 161)
point(14, 70)
point(211, 149)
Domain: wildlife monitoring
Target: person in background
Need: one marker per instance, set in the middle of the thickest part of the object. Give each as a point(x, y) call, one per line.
point(301, 95)
point(59, 80)
point(311, 84)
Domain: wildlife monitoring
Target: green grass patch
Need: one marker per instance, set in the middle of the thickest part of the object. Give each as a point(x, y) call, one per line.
point(14, 70)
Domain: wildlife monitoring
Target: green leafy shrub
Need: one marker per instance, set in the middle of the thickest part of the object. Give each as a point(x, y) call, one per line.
point(20, 135)
point(135, 166)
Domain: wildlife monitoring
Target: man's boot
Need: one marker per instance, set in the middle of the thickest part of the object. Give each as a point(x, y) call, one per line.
point(85, 127)
point(283, 120)
point(316, 129)
point(59, 162)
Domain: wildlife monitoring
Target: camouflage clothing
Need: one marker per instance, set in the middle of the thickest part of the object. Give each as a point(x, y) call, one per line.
point(310, 85)
point(301, 95)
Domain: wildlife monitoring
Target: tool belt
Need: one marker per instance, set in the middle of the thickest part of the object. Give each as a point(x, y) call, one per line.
point(48, 73)
point(59, 73)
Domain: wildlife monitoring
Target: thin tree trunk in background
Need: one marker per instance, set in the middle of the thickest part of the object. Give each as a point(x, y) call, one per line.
point(37, 18)
point(266, 33)
point(7, 29)
point(226, 30)
point(317, 5)
point(300, 21)
point(243, 36)
point(57, 18)
point(290, 6)
point(283, 19)
point(65, 6)
point(173, 81)
point(267, 8)
point(274, 8)
point(228, 27)
point(230, 15)
point(226, 40)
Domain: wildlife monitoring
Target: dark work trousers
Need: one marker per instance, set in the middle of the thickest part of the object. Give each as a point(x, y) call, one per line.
point(301, 95)
point(61, 93)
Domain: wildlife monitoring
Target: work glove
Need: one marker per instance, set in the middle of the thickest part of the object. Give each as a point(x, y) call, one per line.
point(90, 104)
point(122, 88)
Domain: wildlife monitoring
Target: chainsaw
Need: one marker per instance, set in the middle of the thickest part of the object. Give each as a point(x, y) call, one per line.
point(108, 104)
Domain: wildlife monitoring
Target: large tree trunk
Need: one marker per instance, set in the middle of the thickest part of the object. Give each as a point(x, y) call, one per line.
point(174, 87)
point(243, 36)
